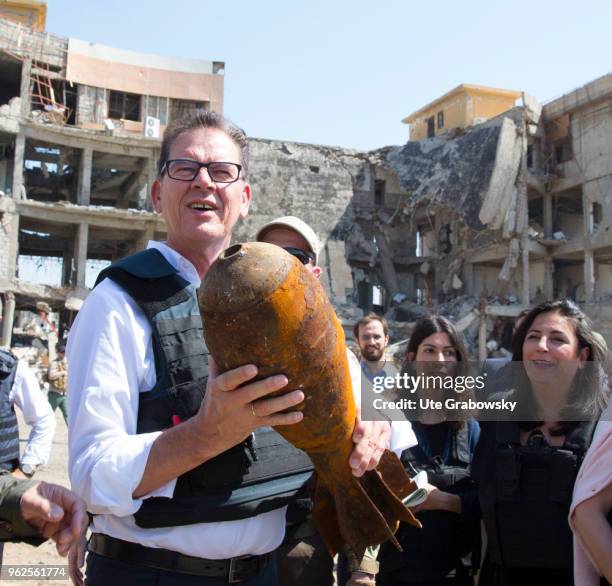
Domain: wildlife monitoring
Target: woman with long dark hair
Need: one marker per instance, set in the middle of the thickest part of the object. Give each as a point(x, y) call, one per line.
point(434, 554)
point(526, 468)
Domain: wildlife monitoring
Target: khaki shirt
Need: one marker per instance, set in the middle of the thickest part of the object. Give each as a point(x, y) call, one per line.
point(58, 375)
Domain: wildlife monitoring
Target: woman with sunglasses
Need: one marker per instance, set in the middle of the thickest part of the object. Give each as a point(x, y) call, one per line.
point(434, 554)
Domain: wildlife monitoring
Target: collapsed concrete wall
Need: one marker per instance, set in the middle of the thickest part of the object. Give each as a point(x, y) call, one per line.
point(473, 173)
point(317, 184)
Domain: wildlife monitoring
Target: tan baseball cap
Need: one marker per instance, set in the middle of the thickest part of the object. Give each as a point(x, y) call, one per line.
point(297, 225)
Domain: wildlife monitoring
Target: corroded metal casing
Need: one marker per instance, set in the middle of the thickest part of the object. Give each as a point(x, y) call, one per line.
point(259, 305)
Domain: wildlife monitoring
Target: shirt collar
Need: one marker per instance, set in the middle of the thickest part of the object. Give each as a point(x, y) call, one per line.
point(184, 267)
point(369, 374)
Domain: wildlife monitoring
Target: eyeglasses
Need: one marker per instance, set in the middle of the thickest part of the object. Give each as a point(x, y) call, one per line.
point(303, 256)
point(187, 170)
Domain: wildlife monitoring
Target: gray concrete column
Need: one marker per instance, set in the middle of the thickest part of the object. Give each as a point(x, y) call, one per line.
point(549, 278)
point(84, 193)
point(8, 318)
point(589, 276)
point(25, 90)
point(548, 215)
point(67, 267)
point(20, 142)
point(143, 238)
point(482, 334)
point(11, 226)
point(80, 253)
point(589, 261)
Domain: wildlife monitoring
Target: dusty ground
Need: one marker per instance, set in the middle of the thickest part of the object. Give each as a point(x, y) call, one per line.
point(55, 471)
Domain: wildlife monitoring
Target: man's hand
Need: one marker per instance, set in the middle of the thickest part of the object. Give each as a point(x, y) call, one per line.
point(232, 409)
point(17, 473)
point(76, 560)
point(57, 513)
point(371, 439)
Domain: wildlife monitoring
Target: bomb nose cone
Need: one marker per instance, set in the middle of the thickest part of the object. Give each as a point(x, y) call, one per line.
point(244, 275)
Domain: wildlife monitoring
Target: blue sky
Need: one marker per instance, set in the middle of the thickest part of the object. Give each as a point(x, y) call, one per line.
point(346, 72)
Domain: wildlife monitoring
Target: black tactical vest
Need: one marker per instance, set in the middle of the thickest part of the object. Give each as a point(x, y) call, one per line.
point(9, 434)
point(259, 475)
point(526, 506)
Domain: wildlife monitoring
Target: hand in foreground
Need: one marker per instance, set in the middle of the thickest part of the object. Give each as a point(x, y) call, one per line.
point(230, 412)
point(371, 439)
point(57, 513)
point(76, 560)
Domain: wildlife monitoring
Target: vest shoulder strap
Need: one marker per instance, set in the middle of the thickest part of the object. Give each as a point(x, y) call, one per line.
point(149, 279)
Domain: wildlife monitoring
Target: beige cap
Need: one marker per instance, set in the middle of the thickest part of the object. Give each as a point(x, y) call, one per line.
point(297, 225)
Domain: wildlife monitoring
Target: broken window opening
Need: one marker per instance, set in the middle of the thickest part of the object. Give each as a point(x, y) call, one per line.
point(379, 192)
point(123, 105)
point(530, 156)
point(49, 172)
point(431, 127)
point(563, 152)
point(377, 296)
point(363, 294)
point(597, 214)
point(40, 270)
point(10, 78)
point(181, 108)
point(440, 120)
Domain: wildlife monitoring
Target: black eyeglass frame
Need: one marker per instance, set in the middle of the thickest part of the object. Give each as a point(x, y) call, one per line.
point(166, 170)
point(299, 253)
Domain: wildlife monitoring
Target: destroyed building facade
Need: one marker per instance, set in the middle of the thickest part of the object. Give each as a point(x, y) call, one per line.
point(79, 136)
point(476, 222)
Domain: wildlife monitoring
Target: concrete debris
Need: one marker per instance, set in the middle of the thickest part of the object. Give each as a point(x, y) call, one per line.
point(533, 108)
point(407, 311)
point(442, 170)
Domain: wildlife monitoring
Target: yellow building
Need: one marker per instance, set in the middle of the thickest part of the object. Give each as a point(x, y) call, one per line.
point(32, 13)
point(463, 106)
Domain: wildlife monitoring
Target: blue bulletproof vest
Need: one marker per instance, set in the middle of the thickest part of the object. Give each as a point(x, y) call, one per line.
point(9, 434)
point(261, 474)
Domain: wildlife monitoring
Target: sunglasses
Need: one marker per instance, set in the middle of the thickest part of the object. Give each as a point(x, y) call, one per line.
point(302, 255)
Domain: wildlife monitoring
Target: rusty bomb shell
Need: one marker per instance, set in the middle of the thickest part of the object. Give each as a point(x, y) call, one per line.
point(259, 305)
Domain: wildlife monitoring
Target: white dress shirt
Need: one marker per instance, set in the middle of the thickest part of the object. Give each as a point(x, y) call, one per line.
point(110, 356)
point(26, 394)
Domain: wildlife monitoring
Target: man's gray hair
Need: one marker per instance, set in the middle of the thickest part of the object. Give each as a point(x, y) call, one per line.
point(204, 119)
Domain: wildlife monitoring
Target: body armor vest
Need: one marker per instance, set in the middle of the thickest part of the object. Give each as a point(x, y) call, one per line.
point(451, 470)
point(261, 474)
point(9, 434)
point(526, 506)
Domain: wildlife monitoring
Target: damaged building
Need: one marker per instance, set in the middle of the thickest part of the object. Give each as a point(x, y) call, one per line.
point(79, 136)
point(480, 221)
point(490, 207)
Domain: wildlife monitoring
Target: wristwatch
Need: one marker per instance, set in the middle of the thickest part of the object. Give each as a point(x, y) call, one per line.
point(28, 471)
